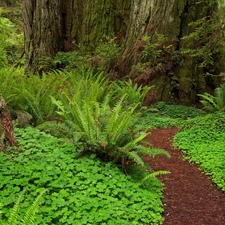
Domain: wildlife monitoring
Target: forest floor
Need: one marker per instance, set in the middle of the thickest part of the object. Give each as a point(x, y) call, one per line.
point(190, 197)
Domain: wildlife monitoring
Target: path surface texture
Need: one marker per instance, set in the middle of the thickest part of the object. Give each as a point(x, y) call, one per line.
point(190, 198)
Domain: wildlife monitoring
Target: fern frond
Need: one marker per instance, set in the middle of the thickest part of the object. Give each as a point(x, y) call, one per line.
point(57, 128)
point(34, 107)
point(30, 213)
point(152, 152)
point(13, 218)
point(154, 174)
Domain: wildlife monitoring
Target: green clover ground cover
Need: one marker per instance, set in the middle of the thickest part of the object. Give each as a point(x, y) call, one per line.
point(81, 189)
point(202, 139)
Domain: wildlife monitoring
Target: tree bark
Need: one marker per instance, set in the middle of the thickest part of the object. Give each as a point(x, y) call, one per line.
point(56, 25)
point(176, 77)
point(43, 29)
point(6, 128)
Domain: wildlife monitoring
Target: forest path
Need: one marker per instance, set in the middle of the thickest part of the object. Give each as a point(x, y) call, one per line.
point(190, 198)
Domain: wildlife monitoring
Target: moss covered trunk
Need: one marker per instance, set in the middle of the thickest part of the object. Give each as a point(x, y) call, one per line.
point(149, 31)
point(175, 76)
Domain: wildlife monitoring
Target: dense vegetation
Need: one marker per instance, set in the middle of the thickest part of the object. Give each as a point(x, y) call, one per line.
point(80, 140)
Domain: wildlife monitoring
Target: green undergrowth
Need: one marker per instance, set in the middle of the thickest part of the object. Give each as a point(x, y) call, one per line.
point(81, 188)
point(202, 140)
point(164, 115)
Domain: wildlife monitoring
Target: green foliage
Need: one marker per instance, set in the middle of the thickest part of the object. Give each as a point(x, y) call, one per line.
point(29, 217)
point(36, 92)
point(6, 27)
point(103, 59)
point(84, 84)
point(109, 131)
point(202, 139)
point(178, 111)
point(10, 79)
point(11, 37)
point(81, 190)
point(166, 115)
point(31, 94)
point(134, 93)
point(214, 103)
point(153, 50)
point(207, 37)
point(107, 53)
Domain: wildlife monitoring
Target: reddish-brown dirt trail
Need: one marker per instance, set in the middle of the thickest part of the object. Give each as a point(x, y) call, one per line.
point(190, 198)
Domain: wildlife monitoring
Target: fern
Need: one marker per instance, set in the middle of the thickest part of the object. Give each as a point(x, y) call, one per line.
point(153, 174)
point(134, 93)
point(214, 103)
point(29, 216)
point(13, 218)
point(30, 213)
point(84, 84)
point(105, 130)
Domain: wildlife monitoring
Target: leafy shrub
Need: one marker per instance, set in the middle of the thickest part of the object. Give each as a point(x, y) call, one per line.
point(81, 190)
point(214, 103)
point(202, 139)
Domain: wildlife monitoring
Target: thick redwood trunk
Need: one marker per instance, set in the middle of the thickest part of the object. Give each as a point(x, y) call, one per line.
point(43, 22)
point(56, 25)
point(175, 76)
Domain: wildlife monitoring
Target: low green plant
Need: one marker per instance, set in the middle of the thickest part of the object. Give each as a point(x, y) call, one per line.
point(165, 115)
point(202, 140)
point(10, 79)
point(29, 217)
point(178, 111)
point(81, 189)
point(214, 103)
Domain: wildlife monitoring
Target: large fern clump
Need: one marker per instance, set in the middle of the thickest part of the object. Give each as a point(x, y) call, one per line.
point(106, 129)
point(214, 103)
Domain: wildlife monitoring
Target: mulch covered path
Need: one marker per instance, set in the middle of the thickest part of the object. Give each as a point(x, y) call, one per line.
point(190, 198)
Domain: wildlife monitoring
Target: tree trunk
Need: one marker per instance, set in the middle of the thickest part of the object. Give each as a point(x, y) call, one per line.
point(56, 25)
point(151, 32)
point(44, 21)
point(6, 128)
point(176, 77)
